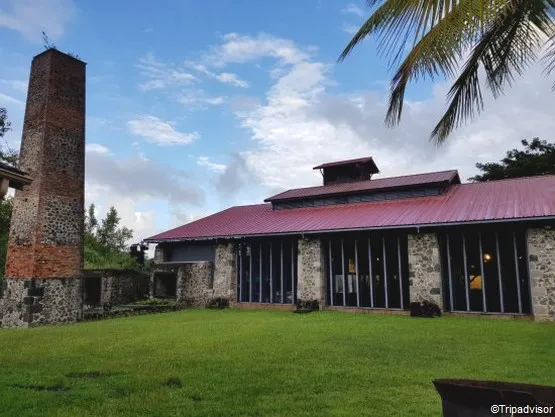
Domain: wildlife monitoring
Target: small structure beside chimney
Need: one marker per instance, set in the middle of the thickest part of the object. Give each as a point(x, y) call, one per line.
point(11, 177)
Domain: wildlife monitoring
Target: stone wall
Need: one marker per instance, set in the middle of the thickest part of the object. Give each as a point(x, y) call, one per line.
point(225, 273)
point(159, 254)
point(541, 255)
point(29, 303)
point(424, 269)
point(45, 246)
point(193, 282)
point(118, 286)
point(310, 281)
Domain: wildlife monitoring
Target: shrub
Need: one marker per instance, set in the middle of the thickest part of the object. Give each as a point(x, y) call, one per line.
point(218, 302)
point(424, 309)
point(307, 306)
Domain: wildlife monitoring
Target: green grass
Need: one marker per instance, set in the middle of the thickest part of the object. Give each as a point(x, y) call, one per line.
point(262, 363)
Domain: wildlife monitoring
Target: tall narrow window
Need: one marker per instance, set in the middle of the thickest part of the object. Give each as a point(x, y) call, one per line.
point(474, 271)
point(378, 272)
point(350, 272)
point(287, 269)
point(491, 273)
point(363, 271)
point(485, 270)
point(393, 273)
point(276, 272)
point(336, 272)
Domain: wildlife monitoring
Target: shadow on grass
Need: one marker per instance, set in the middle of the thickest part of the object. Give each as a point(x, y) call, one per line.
point(52, 388)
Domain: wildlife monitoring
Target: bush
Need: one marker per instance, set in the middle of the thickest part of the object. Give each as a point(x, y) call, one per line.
point(218, 302)
point(424, 309)
point(307, 306)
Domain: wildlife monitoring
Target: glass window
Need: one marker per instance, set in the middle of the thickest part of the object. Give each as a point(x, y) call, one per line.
point(363, 271)
point(378, 281)
point(474, 270)
point(498, 272)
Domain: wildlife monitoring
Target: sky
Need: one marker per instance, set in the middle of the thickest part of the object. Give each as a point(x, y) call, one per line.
point(194, 106)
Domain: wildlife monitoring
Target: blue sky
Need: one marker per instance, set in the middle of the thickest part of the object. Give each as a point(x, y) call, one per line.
point(194, 106)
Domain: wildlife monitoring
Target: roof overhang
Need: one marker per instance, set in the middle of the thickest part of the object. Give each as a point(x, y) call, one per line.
point(13, 177)
point(359, 229)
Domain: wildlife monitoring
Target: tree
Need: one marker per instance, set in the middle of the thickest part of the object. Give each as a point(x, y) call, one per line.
point(7, 155)
point(538, 158)
point(90, 220)
point(106, 242)
point(110, 234)
point(500, 37)
point(5, 218)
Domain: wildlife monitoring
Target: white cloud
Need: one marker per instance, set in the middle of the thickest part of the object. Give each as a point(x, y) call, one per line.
point(231, 79)
point(204, 161)
point(4, 98)
point(197, 99)
point(97, 148)
point(160, 132)
point(223, 77)
point(242, 49)
point(216, 100)
point(350, 29)
point(302, 124)
point(160, 75)
point(17, 85)
point(352, 8)
point(31, 17)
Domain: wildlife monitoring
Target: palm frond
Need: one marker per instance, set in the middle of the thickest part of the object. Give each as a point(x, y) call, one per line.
point(508, 46)
point(504, 37)
point(436, 54)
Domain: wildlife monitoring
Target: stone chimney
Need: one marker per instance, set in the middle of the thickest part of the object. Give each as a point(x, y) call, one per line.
point(45, 248)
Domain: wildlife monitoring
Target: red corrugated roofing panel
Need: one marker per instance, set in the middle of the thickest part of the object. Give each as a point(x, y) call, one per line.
point(347, 161)
point(377, 184)
point(532, 197)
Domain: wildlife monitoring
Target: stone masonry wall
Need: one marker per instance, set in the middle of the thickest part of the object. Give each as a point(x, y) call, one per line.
point(225, 273)
point(119, 286)
point(159, 254)
point(541, 255)
point(193, 279)
point(193, 284)
point(46, 234)
point(29, 303)
point(45, 246)
point(424, 269)
point(311, 282)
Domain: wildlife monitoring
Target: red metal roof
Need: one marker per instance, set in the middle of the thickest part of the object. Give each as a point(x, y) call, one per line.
point(522, 198)
point(346, 162)
point(374, 185)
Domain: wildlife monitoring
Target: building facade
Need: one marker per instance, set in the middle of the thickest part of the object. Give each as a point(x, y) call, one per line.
point(377, 245)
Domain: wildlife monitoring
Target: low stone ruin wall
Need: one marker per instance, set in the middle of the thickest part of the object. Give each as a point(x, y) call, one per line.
point(114, 286)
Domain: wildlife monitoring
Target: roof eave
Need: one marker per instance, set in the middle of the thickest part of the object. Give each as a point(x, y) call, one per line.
point(313, 232)
point(17, 180)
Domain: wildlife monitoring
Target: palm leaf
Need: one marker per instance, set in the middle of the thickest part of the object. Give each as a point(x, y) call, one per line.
point(508, 46)
point(503, 37)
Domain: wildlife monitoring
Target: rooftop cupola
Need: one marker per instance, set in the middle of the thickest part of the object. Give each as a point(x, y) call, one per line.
point(351, 170)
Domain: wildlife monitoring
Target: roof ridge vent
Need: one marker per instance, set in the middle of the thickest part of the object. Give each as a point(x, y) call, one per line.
point(350, 170)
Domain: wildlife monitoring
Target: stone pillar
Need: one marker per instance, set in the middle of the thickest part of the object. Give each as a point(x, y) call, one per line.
point(159, 254)
point(193, 280)
point(45, 248)
point(541, 256)
point(225, 272)
point(310, 272)
point(425, 269)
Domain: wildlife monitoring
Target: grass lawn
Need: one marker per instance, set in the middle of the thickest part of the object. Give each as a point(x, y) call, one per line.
point(262, 363)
